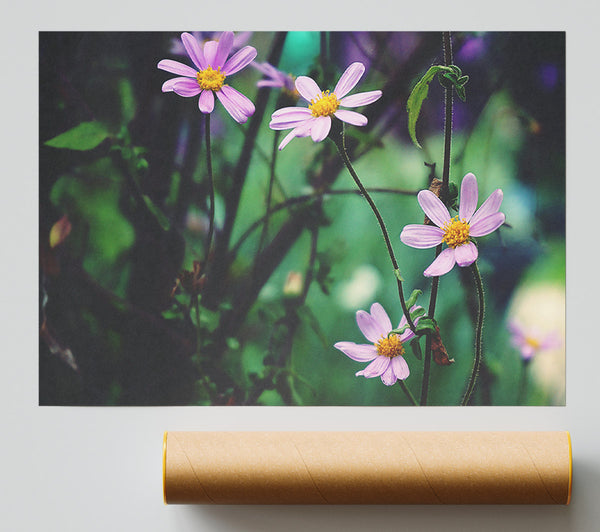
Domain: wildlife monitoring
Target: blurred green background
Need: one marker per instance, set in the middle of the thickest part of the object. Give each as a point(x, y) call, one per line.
point(115, 328)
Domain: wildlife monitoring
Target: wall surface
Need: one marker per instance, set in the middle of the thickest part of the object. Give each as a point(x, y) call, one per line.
point(97, 469)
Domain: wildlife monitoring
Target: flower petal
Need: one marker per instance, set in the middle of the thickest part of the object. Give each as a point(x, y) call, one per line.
point(291, 117)
point(433, 207)
point(466, 254)
point(400, 367)
point(301, 130)
point(388, 377)
point(167, 86)
point(210, 53)
point(239, 60)
point(361, 98)
point(187, 87)
point(206, 102)
point(421, 236)
point(320, 128)
point(442, 264)
point(223, 48)
point(370, 327)
point(489, 206)
point(358, 352)
point(381, 317)
point(485, 226)
point(237, 105)
point(468, 197)
point(351, 117)
point(375, 368)
point(349, 79)
point(307, 87)
point(192, 47)
point(175, 67)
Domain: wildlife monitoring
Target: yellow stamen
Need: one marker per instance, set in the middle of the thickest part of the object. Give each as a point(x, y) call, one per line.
point(390, 346)
point(210, 79)
point(532, 342)
point(456, 232)
point(324, 105)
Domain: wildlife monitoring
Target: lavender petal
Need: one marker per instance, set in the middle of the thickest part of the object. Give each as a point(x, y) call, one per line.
point(370, 327)
point(206, 102)
point(308, 88)
point(187, 87)
point(237, 105)
point(433, 207)
point(358, 352)
point(175, 67)
point(381, 317)
point(469, 195)
point(389, 377)
point(485, 226)
point(466, 254)
point(361, 98)
point(375, 368)
point(442, 264)
point(320, 128)
point(351, 117)
point(239, 60)
point(349, 79)
point(489, 206)
point(400, 367)
point(223, 49)
point(192, 47)
point(421, 236)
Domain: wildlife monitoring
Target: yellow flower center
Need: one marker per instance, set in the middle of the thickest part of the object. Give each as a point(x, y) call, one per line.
point(210, 79)
point(390, 346)
point(324, 105)
point(532, 342)
point(456, 232)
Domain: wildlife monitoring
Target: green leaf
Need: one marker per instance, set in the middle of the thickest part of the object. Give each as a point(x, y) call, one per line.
point(398, 275)
point(85, 136)
point(308, 317)
point(417, 97)
point(417, 313)
point(426, 324)
point(413, 298)
point(398, 331)
point(158, 214)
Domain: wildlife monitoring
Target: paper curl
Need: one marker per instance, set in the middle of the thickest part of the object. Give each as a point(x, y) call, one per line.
point(367, 467)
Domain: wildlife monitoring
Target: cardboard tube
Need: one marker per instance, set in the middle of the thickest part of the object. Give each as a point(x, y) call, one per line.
point(367, 467)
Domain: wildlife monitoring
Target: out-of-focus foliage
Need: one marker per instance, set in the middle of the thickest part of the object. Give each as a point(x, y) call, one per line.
point(125, 291)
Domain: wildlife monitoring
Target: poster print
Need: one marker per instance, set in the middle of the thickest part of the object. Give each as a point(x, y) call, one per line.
point(302, 218)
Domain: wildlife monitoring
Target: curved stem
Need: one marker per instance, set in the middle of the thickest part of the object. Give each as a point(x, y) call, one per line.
point(265, 228)
point(211, 189)
point(344, 155)
point(448, 103)
point(410, 396)
point(478, 335)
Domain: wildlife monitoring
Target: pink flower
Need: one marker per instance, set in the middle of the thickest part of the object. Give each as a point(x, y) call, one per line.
point(387, 350)
point(276, 78)
point(457, 231)
point(315, 120)
point(209, 79)
point(529, 342)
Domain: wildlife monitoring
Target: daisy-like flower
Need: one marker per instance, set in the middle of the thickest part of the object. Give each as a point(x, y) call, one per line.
point(530, 342)
point(276, 78)
point(455, 232)
point(386, 352)
point(208, 78)
point(315, 120)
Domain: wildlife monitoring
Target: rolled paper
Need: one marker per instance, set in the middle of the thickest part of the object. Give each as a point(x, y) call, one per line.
point(367, 467)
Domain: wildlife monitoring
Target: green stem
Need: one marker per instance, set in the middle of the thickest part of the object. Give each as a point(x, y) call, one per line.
point(448, 103)
point(265, 228)
point(344, 155)
point(198, 333)
point(410, 396)
point(211, 189)
point(478, 335)
point(523, 384)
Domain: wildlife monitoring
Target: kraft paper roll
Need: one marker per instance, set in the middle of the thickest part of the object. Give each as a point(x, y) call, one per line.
point(367, 467)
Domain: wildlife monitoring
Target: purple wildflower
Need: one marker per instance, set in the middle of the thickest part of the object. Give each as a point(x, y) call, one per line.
point(315, 120)
point(386, 351)
point(276, 78)
point(529, 342)
point(213, 67)
point(457, 231)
